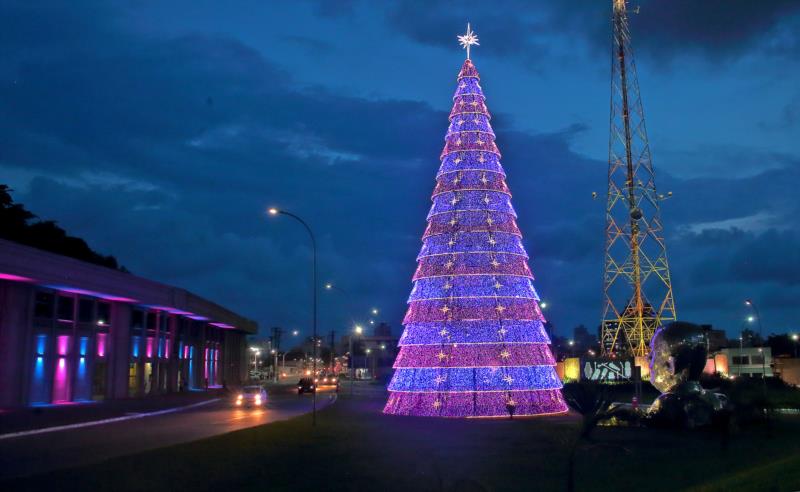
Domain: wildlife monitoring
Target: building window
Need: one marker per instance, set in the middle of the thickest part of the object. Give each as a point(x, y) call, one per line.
point(133, 380)
point(102, 340)
point(103, 313)
point(66, 306)
point(741, 360)
point(135, 346)
point(757, 359)
point(43, 305)
point(137, 319)
point(85, 310)
point(151, 320)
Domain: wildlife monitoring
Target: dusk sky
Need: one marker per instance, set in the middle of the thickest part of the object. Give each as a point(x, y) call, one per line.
point(160, 132)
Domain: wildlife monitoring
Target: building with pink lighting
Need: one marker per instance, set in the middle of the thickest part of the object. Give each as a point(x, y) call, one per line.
point(71, 332)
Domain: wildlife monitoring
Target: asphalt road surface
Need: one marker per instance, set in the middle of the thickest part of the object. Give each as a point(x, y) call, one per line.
point(29, 455)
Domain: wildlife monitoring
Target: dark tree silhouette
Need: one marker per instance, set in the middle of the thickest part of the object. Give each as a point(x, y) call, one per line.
point(22, 226)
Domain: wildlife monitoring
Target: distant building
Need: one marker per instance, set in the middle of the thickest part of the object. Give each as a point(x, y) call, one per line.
point(383, 330)
point(788, 369)
point(583, 340)
point(72, 332)
point(748, 361)
point(717, 339)
point(374, 356)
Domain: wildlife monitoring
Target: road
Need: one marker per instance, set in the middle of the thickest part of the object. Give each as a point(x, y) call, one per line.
point(28, 455)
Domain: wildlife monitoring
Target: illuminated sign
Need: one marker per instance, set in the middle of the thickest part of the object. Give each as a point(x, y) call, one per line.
point(607, 369)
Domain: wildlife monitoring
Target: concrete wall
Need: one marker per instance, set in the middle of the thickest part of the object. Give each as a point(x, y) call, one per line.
point(15, 319)
point(788, 369)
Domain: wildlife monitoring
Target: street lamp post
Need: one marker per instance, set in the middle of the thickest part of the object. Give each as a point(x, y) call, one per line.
point(275, 211)
point(739, 365)
point(794, 339)
point(752, 305)
point(357, 330)
point(275, 365)
point(256, 353)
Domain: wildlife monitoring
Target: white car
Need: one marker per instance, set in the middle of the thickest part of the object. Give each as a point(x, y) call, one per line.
point(251, 396)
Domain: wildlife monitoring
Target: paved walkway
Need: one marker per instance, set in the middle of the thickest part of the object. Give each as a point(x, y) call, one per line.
point(76, 444)
point(17, 420)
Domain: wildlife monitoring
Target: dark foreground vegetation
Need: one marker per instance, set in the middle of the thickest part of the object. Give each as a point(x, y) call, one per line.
point(22, 226)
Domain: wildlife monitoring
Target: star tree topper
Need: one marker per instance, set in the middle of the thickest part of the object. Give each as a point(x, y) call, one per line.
point(468, 39)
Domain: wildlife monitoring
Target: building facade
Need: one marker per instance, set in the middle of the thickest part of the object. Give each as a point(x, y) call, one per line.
point(748, 361)
point(75, 332)
point(788, 369)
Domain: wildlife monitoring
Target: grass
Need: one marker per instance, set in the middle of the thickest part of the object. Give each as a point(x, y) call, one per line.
point(355, 448)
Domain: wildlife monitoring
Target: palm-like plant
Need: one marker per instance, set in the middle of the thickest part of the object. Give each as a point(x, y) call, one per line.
point(592, 401)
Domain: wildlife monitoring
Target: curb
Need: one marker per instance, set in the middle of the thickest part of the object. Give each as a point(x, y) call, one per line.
point(92, 423)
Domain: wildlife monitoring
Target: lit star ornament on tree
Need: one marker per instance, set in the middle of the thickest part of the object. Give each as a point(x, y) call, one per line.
point(474, 343)
point(467, 40)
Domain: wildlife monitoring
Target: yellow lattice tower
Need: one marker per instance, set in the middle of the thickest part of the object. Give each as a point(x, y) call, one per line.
point(637, 290)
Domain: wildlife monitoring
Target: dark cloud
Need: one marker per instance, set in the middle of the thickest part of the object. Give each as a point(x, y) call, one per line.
point(772, 256)
point(717, 269)
point(335, 9)
point(787, 120)
point(716, 29)
point(166, 151)
point(315, 47)
point(434, 24)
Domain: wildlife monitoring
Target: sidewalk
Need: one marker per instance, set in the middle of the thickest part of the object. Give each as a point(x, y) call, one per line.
point(23, 419)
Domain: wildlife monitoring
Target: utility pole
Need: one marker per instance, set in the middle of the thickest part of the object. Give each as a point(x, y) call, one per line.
point(332, 342)
point(277, 332)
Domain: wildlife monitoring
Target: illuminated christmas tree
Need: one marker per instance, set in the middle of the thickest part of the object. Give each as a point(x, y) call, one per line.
point(474, 343)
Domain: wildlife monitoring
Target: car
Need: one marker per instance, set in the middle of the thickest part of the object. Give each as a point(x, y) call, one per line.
point(305, 385)
point(251, 396)
point(324, 380)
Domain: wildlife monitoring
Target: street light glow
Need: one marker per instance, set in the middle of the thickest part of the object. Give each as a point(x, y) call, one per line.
point(795, 337)
point(273, 211)
point(374, 310)
point(359, 329)
point(329, 286)
point(543, 305)
point(750, 319)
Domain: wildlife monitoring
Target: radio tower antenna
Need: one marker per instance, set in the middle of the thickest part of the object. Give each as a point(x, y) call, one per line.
point(637, 290)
